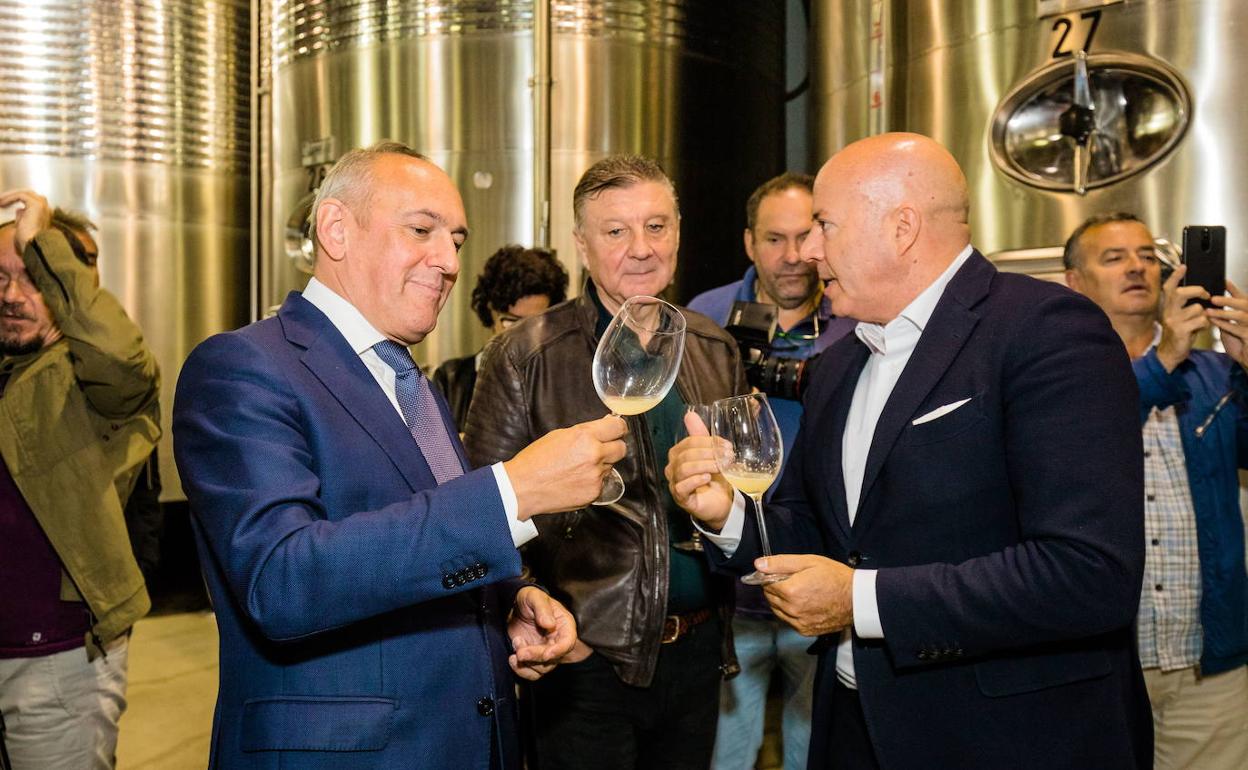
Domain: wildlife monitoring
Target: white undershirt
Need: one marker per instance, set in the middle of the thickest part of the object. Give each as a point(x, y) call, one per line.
point(891, 345)
point(362, 336)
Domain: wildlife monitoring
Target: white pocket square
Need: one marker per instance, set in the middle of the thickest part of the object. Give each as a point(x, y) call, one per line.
point(939, 411)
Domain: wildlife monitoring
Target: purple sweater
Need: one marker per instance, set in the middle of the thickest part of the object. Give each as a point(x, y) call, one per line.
point(34, 621)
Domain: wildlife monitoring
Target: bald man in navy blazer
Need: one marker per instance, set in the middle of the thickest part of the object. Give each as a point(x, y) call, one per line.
point(365, 579)
point(961, 523)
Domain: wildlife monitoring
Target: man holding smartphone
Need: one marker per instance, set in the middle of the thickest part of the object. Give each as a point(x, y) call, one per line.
point(1193, 640)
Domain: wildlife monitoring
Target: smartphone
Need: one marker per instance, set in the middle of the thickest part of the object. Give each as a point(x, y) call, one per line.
point(1204, 253)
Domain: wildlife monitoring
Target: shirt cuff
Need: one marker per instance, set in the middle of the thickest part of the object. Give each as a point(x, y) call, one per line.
point(866, 611)
point(728, 539)
point(521, 531)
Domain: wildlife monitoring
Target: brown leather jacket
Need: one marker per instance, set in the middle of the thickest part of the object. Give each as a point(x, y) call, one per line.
point(608, 564)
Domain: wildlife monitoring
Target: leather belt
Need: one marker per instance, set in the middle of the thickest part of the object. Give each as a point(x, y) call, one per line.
point(676, 626)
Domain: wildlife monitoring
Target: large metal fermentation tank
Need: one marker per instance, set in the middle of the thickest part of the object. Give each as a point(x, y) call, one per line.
point(698, 84)
point(991, 79)
point(135, 112)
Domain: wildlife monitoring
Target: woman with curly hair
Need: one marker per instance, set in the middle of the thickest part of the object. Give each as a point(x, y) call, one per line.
point(516, 283)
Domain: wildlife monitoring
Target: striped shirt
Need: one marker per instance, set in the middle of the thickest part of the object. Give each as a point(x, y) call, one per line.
point(1168, 626)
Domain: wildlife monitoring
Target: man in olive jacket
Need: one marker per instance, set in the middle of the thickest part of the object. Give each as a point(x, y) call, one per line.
point(641, 688)
point(78, 416)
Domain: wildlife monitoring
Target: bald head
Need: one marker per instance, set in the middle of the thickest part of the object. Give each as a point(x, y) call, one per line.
point(899, 169)
point(893, 213)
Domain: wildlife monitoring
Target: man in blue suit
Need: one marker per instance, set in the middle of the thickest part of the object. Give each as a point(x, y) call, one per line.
point(962, 517)
point(365, 580)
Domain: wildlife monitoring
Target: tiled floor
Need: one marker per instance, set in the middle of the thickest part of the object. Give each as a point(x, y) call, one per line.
point(172, 689)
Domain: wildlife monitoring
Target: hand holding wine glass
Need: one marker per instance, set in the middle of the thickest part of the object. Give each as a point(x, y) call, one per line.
point(635, 365)
point(750, 452)
point(702, 413)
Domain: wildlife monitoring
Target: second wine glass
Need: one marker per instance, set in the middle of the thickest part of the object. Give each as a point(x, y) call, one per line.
point(750, 454)
point(635, 365)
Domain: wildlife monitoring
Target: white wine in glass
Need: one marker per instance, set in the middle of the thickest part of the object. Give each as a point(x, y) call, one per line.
point(750, 483)
point(631, 404)
point(635, 365)
point(750, 454)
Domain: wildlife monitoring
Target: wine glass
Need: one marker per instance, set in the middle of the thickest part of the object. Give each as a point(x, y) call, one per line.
point(704, 413)
point(749, 452)
point(635, 365)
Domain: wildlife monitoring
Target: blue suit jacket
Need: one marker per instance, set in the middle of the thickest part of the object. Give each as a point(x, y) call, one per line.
point(361, 606)
point(1008, 535)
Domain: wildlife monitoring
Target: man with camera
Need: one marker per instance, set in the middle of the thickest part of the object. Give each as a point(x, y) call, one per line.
point(1192, 636)
point(779, 317)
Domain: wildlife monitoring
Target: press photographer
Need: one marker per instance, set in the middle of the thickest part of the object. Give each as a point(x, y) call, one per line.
point(779, 317)
point(769, 363)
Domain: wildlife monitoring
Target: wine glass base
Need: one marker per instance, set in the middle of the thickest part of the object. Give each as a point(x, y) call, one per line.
point(612, 489)
point(762, 578)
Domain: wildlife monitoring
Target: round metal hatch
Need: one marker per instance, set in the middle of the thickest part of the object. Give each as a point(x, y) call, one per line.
point(1136, 111)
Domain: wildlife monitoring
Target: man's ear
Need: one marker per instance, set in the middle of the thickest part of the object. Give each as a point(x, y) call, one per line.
point(748, 239)
point(331, 228)
point(1072, 280)
point(581, 249)
point(907, 223)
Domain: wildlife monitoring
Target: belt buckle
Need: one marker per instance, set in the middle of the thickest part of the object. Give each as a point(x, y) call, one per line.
point(678, 628)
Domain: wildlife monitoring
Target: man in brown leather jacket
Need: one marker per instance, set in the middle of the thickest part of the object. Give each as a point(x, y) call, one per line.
point(641, 688)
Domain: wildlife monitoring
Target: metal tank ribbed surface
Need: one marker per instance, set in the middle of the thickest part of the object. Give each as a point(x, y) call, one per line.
point(696, 84)
point(137, 114)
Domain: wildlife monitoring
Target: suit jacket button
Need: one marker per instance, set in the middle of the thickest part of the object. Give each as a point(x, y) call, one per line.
point(448, 582)
point(485, 707)
point(854, 559)
point(481, 570)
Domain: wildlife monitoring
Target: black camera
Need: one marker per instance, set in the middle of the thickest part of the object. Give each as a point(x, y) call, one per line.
point(753, 326)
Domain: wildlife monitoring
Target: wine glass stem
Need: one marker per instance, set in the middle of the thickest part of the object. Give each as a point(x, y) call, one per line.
point(613, 414)
point(762, 528)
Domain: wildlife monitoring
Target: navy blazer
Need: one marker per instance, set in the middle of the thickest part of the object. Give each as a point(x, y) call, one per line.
point(1008, 535)
point(361, 606)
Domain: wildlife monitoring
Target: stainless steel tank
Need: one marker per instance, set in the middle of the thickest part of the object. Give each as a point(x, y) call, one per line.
point(992, 80)
point(697, 84)
point(136, 113)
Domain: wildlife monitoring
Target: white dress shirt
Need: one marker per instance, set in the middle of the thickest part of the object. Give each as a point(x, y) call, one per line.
point(891, 345)
point(361, 336)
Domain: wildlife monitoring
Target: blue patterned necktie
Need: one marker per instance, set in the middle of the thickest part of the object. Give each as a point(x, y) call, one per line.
point(421, 412)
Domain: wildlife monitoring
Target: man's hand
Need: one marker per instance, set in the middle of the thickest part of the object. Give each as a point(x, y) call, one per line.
point(32, 217)
point(542, 631)
point(1180, 322)
point(563, 470)
point(694, 478)
point(818, 596)
point(1231, 316)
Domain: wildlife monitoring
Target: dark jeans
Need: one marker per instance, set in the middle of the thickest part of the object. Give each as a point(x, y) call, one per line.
point(586, 717)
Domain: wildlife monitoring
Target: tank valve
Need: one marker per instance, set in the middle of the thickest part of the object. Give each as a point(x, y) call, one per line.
point(1079, 123)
